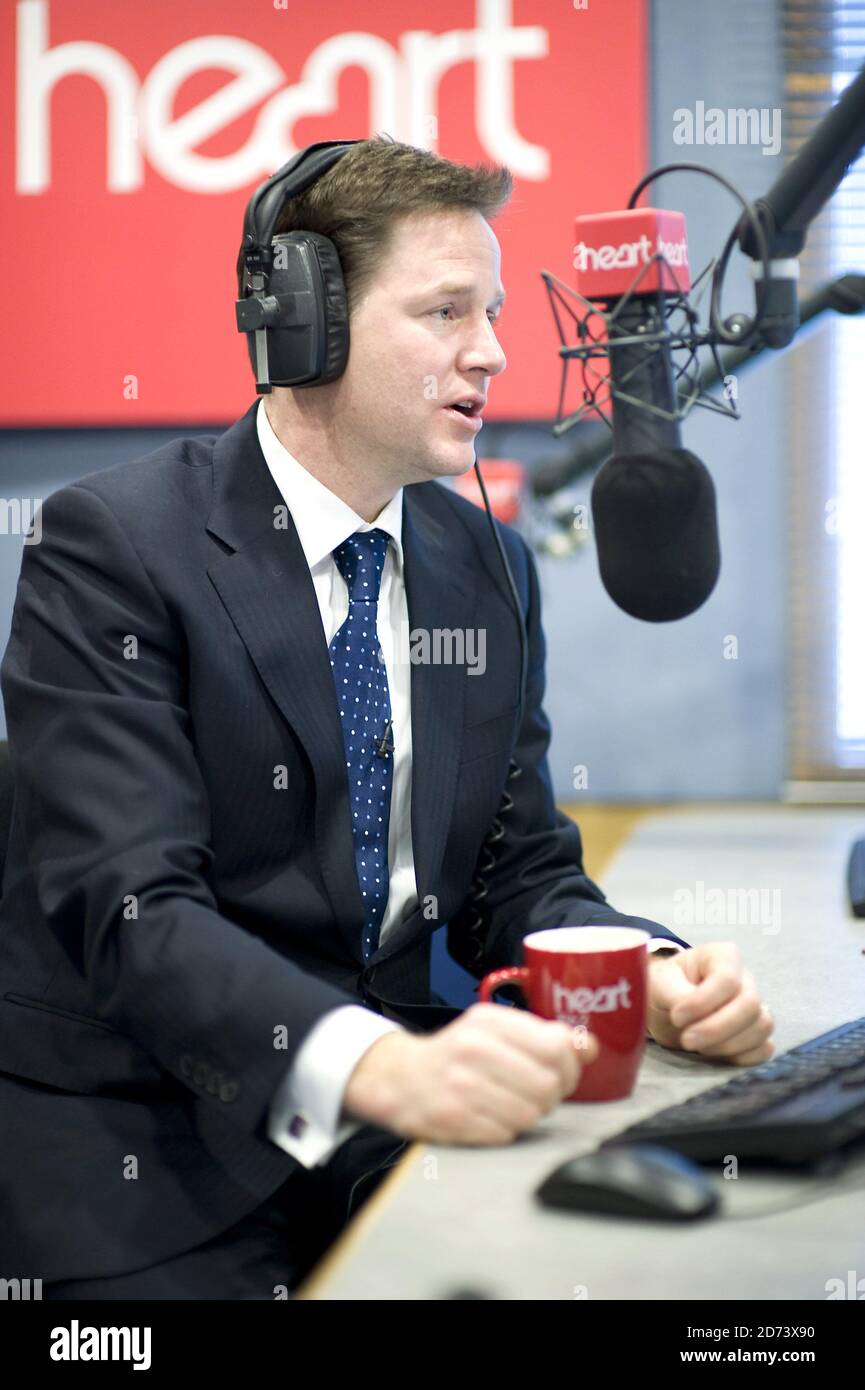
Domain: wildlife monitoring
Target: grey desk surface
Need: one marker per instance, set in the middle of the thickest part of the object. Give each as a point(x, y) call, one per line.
point(452, 1217)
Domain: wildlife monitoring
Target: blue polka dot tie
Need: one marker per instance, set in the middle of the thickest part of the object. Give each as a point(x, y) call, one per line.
point(364, 707)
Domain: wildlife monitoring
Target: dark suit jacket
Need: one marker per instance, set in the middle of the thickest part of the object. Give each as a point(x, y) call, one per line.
point(172, 906)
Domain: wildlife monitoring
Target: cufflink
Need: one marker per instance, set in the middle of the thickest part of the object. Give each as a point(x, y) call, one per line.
point(298, 1126)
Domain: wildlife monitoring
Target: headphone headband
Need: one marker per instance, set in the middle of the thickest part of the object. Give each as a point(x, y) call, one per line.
point(268, 200)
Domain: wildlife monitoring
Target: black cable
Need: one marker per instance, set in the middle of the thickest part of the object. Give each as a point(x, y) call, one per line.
point(724, 334)
point(806, 1199)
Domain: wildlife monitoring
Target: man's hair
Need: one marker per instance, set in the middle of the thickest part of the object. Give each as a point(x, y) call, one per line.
point(361, 198)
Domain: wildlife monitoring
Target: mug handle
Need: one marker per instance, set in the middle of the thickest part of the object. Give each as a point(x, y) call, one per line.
point(511, 975)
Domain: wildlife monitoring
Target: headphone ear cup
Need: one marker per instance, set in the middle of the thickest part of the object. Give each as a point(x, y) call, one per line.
point(310, 347)
point(335, 309)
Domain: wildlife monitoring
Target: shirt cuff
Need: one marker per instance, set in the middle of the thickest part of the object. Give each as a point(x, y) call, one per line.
point(302, 1119)
point(661, 943)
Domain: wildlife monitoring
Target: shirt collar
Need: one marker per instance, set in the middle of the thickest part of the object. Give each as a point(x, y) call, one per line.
point(322, 519)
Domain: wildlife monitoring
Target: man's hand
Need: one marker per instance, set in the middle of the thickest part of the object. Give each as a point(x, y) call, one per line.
point(705, 1001)
point(482, 1079)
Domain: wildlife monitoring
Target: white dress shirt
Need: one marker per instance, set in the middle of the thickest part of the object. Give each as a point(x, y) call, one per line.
point(304, 1112)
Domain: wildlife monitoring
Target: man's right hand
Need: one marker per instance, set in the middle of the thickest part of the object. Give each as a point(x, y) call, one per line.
point(482, 1079)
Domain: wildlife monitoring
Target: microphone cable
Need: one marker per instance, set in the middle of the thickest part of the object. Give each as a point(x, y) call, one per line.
point(723, 334)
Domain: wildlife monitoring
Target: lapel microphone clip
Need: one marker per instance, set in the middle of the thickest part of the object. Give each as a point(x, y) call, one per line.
point(385, 743)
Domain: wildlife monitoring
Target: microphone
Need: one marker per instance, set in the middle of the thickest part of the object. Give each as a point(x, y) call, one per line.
point(653, 502)
point(656, 530)
point(385, 744)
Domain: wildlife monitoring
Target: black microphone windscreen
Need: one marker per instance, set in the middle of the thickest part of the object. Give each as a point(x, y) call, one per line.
point(656, 531)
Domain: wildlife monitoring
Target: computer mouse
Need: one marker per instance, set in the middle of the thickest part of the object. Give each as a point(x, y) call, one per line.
point(631, 1180)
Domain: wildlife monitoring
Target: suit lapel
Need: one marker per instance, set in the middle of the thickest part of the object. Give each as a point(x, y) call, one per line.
point(441, 593)
point(265, 584)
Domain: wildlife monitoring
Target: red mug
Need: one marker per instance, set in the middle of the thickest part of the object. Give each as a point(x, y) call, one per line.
point(596, 979)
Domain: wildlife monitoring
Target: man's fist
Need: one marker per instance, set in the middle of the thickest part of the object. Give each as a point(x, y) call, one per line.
point(705, 1001)
point(483, 1079)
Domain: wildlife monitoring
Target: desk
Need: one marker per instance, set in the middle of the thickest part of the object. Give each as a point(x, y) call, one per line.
point(452, 1217)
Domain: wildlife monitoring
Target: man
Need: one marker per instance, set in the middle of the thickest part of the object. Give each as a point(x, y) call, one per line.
point(242, 810)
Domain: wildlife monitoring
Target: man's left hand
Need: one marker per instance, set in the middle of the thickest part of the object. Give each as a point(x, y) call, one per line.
point(704, 1000)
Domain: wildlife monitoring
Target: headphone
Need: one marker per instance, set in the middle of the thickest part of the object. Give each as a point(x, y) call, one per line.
point(292, 294)
point(293, 308)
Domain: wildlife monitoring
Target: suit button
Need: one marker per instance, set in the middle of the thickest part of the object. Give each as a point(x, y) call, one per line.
point(186, 1065)
point(214, 1082)
point(201, 1073)
point(228, 1090)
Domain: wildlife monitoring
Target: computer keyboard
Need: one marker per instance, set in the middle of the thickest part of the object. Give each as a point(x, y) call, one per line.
point(792, 1109)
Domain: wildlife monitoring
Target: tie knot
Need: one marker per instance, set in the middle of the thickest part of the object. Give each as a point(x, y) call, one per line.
point(360, 560)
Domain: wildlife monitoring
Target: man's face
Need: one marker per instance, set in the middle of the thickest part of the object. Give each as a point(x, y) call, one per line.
point(421, 338)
